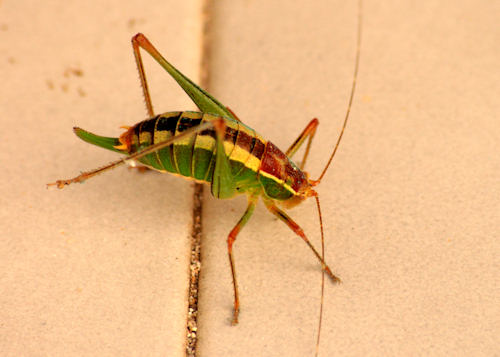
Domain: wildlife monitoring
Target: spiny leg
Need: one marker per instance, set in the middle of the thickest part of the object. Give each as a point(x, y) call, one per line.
point(252, 201)
point(203, 100)
point(308, 132)
point(150, 149)
point(296, 228)
point(140, 67)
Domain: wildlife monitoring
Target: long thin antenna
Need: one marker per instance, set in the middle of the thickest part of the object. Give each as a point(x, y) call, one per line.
point(353, 88)
point(322, 275)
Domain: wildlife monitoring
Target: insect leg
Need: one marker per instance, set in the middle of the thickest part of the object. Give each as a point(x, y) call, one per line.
point(150, 149)
point(223, 184)
point(142, 76)
point(296, 228)
point(308, 132)
point(203, 100)
point(252, 201)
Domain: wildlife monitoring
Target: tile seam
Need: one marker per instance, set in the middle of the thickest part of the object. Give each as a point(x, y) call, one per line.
point(205, 7)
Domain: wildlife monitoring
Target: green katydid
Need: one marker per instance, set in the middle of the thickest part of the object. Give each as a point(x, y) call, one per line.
point(213, 146)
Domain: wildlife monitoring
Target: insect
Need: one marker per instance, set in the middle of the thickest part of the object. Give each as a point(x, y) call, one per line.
point(215, 147)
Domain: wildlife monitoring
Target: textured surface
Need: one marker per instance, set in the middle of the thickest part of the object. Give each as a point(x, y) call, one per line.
point(100, 268)
point(410, 205)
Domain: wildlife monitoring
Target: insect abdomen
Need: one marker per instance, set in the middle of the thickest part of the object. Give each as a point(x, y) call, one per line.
point(176, 158)
point(194, 156)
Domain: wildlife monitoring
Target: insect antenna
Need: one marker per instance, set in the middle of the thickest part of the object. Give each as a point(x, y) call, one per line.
point(353, 89)
point(348, 111)
point(322, 275)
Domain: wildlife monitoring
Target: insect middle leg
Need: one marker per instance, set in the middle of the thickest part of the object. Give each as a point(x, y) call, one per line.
point(296, 228)
point(252, 201)
point(307, 133)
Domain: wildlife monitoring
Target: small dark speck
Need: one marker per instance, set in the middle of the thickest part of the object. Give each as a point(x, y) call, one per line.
point(132, 23)
point(73, 71)
point(50, 84)
point(81, 92)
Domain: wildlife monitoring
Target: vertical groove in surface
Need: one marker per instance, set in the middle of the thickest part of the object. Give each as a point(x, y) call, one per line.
point(196, 230)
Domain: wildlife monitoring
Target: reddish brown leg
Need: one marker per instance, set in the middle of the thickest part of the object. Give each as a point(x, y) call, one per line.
point(296, 228)
point(203, 100)
point(252, 201)
point(308, 132)
point(141, 41)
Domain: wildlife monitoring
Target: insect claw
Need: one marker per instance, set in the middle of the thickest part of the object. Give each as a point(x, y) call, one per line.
point(235, 317)
point(59, 183)
point(335, 279)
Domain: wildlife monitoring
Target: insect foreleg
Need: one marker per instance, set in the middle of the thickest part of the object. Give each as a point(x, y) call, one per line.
point(252, 201)
point(308, 133)
point(296, 228)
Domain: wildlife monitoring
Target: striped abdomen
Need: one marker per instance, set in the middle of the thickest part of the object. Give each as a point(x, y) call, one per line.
point(194, 156)
point(255, 163)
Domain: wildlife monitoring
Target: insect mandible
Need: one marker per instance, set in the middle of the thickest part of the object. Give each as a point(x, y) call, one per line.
point(215, 147)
